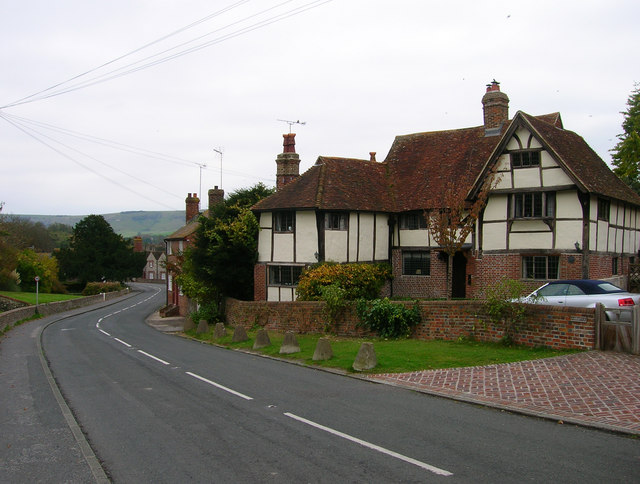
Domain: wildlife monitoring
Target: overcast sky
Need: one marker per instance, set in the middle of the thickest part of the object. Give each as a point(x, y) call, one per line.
point(357, 72)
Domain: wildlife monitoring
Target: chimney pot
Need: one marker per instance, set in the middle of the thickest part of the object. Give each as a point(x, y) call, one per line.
point(372, 156)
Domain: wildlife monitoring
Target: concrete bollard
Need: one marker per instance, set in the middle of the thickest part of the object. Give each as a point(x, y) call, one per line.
point(203, 327)
point(290, 344)
point(262, 339)
point(188, 324)
point(219, 331)
point(239, 334)
point(323, 350)
point(366, 358)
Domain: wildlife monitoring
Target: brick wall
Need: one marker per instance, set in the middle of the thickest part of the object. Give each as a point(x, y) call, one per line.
point(559, 328)
point(260, 282)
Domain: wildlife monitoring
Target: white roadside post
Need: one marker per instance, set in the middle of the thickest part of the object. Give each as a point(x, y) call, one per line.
point(37, 279)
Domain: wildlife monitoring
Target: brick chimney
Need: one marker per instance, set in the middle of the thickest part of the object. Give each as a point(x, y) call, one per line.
point(287, 162)
point(495, 105)
point(216, 197)
point(192, 206)
point(137, 244)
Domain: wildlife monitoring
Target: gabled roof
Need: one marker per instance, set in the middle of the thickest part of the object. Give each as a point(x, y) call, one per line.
point(584, 163)
point(188, 229)
point(419, 166)
point(335, 184)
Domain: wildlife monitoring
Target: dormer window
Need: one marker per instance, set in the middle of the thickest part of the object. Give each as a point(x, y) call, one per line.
point(284, 221)
point(525, 159)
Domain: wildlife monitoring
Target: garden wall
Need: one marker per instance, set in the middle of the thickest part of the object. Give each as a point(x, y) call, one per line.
point(558, 328)
point(10, 317)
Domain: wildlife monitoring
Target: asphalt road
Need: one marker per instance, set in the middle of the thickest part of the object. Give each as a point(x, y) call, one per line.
point(158, 408)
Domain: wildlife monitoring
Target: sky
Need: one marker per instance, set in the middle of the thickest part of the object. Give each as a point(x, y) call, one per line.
point(124, 105)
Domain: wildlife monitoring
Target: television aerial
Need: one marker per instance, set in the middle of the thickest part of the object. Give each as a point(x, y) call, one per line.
point(291, 123)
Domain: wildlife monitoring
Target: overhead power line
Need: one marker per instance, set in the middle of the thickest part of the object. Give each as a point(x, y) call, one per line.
point(155, 59)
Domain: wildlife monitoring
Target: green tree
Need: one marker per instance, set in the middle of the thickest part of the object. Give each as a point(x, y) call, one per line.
point(97, 253)
point(8, 256)
point(626, 153)
point(31, 264)
point(220, 263)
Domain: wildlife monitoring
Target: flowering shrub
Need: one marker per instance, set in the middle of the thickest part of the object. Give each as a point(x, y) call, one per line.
point(93, 288)
point(355, 280)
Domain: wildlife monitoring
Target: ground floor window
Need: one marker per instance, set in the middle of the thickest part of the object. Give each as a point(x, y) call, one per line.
point(284, 275)
point(540, 267)
point(416, 262)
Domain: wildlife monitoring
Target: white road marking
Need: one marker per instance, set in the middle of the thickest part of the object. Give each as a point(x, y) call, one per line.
point(103, 331)
point(123, 342)
point(221, 387)
point(153, 357)
point(430, 468)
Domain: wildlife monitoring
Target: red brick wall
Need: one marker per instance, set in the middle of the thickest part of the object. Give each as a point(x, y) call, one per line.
point(260, 282)
point(559, 328)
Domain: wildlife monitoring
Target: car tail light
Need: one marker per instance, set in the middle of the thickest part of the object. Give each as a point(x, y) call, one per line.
point(627, 301)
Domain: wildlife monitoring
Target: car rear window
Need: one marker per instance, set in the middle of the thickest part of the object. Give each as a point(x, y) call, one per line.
point(607, 287)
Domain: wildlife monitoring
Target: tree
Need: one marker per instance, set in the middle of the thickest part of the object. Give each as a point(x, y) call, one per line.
point(31, 264)
point(626, 153)
point(8, 256)
point(97, 253)
point(220, 263)
point(455, 218)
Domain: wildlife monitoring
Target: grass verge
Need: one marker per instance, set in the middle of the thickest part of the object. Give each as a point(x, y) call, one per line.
point(43, 298)
point(394, 356)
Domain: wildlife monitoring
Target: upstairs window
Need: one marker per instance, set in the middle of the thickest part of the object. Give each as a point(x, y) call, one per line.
point(540, 267)
point(525, 159)
point(335, 221)
point(412, 221)
point(534, 205)
point(416, 263)
point(284, 275)
point(284, 221)
point(604, 209)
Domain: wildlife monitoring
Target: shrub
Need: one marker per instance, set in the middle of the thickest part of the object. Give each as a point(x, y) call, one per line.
point(207, 311)
point(93, 288)
point(387, 319)
point(501, 306)
point(356, 280)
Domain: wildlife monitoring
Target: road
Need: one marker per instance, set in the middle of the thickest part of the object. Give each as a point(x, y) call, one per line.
point(158, 408)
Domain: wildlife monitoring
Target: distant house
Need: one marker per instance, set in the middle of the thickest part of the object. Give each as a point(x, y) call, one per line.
point(154, 269)
point(557, 210)
point(178, 241)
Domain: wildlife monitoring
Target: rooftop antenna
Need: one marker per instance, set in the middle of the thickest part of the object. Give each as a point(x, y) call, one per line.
point(219, 150)
point(291, 123)
point(201, 166)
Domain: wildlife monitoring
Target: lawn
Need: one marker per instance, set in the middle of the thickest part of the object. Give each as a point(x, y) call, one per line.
point(30, 297)
point(394, 356)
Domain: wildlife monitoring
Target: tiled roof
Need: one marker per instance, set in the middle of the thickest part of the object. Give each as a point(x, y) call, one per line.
point(188, 229)
point(418, 167)
point(586, 166)
point(336, 184)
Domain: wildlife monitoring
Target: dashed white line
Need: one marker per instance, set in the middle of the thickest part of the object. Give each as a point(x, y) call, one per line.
point(153, 357)
point(221, 387)
point(364, 443)
point(123, 342)
point(103, 331)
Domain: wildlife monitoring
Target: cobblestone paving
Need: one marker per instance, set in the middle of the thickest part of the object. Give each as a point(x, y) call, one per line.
point(595, 388)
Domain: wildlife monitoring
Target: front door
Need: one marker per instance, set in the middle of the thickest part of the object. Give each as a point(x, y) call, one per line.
point(459, 276)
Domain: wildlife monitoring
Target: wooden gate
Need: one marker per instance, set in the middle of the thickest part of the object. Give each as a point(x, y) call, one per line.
point(634, 277)
point(614, 335)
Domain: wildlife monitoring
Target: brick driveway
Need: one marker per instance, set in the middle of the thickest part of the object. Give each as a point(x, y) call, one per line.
point(599, 389)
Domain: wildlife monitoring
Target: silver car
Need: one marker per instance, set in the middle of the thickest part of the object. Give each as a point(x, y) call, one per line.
point(586, 293)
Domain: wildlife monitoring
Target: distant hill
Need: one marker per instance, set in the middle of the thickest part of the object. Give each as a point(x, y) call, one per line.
point(127, 224)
